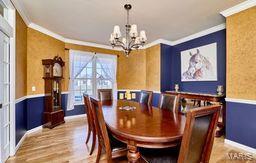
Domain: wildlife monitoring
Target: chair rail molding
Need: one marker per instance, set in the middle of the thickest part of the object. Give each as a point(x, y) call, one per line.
point(243, 101)
point(238, 8)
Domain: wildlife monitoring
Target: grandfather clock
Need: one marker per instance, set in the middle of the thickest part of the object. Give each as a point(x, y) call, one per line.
point(53, 74)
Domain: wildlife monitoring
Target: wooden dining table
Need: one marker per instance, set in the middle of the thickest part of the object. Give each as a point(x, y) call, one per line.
point(143, 126)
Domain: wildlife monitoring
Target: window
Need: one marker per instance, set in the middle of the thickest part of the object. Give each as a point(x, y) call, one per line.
point(91, 72)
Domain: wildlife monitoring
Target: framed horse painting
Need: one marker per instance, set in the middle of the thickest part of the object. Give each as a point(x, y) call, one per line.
point(199, 64)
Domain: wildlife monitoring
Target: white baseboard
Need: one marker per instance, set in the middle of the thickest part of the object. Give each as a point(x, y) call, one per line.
point(34, 130)
point(20, 142)
point(69, 118)
point(241, 146)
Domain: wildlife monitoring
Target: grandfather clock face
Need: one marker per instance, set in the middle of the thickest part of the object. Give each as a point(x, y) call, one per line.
point(57, 70)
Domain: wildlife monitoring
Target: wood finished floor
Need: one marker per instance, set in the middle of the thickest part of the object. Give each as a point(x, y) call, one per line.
point(65, 143)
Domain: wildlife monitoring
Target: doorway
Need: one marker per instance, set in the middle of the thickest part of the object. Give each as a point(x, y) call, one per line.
point(4, 96)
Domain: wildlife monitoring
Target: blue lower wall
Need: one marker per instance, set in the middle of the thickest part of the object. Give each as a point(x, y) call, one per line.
point(21, 119)
point(35, 108)
point(29, 114)
point(240, 123)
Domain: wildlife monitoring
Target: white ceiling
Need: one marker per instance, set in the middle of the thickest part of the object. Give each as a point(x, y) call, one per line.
point(93, 20)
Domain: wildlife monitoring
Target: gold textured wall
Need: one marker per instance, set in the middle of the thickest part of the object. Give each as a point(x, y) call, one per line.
point(40, 46)
point(21, 57)
point(131, 73)
point(153, 68)
point(241, 55)
point(141, 70)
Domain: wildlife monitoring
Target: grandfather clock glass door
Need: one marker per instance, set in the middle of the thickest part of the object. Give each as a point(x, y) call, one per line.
point(4, 97)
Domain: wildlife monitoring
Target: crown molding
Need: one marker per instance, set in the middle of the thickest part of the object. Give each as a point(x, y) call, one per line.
point(22, 11)
point(200, 34)
point(77, 42)
point(156, 42)
point(238, 8)
point(46, 31)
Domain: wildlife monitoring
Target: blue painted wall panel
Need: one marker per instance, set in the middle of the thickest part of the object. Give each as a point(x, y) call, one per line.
point(35, 108)
point(240, 123)
point(166, 69)
point(21, 119)
point(202, 86)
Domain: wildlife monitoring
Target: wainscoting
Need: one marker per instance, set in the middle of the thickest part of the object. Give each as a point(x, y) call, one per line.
point(240, 122)
point(29, 113)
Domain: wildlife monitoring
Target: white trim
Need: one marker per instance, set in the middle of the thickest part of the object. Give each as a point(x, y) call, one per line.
point(253, 102)
point(238, 8)
point(5, 27)
point(200, 34)
point(20, 142)
point(34, 96)
point(46, 31)
point(135, 90)
point(20, 99)
point(22, 11)
point(156, 42)
point(77, 42)
point(39, 128)
point(131, 90)
point(241, 146)
point(12, 21)
point(69, 118)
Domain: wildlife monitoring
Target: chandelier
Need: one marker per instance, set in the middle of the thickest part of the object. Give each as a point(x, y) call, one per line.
point(132, 40)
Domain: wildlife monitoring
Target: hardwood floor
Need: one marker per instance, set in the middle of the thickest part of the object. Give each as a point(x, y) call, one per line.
point(66, 143)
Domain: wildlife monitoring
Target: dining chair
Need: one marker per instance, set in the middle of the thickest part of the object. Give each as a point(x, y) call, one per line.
point(105, 94)
point(168, 101)
point(197, 140)
point(112, 147)
point(146, 97)
point(90, 122)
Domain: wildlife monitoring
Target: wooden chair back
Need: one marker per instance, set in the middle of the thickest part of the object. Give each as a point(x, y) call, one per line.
point(169, 101)
point(101, 129)
point(199, 134)
point(105, 94)
point(88, 108)
point(146, 97)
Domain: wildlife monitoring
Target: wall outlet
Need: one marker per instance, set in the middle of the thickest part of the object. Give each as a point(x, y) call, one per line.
point(33, 88)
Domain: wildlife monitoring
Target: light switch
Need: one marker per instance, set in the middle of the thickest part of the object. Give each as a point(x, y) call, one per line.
point(33, 88)
point(121, 96)
point(133, 95)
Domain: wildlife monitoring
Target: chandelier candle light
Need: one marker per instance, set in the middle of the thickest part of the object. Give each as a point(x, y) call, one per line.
point(132, 40)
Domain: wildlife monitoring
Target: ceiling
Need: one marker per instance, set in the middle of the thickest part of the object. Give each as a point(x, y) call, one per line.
point(93, 20)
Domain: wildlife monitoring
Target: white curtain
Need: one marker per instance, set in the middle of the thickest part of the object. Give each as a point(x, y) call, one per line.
point(109, 67)
point(77, 62)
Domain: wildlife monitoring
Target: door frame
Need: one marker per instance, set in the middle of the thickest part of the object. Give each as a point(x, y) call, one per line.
point(9, 28)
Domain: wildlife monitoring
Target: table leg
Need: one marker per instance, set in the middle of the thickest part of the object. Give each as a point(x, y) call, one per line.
point(133, 154)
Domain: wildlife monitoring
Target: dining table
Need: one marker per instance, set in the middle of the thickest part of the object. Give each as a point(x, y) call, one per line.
point(142, 126)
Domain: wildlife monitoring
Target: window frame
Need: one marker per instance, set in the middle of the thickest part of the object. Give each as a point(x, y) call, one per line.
point(94, 78)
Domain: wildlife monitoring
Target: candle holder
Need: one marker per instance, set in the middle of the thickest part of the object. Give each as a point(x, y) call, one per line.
point(176, 87)
point(220, 90)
